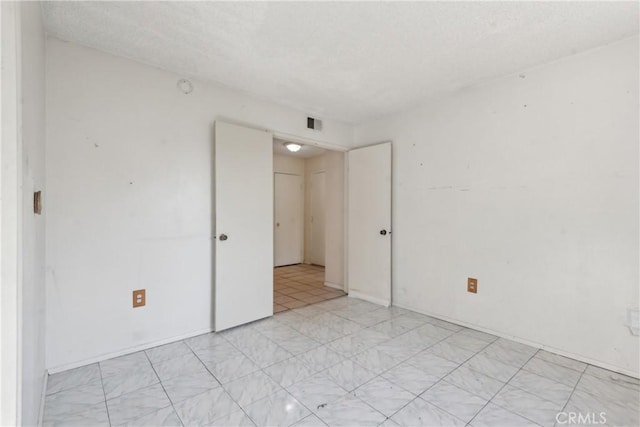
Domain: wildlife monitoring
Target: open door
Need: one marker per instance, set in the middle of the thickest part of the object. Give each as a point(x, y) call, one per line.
point(369, 223)
point(243, 288)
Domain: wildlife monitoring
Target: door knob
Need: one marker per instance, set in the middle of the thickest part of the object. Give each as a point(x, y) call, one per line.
point(383, 232)
point(277, 224)
point(223, 237)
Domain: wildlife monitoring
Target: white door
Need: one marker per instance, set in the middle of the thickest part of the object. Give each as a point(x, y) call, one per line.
point(243, 225)
point(369, 223)
point(317, 218)
point(289, 219)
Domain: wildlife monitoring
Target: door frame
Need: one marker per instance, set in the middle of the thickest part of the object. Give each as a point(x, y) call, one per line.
point(333, 147)
point(345, 151)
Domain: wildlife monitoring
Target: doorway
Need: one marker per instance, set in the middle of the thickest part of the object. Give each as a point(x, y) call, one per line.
point(245, 160)
point(308, 208)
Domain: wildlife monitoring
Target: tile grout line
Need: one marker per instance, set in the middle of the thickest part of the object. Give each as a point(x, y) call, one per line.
point(500, 389)
point(316, 373)
point(203, 364)
point(347, 358)
point(441, 379)
point(286, 389)
point(505, 383)
point(163, 389)
point(260, 369)
point(104, 393)
point(400, 360)
point(216, 378)
point(572, 392)
point(403, 360)
point(347, 393)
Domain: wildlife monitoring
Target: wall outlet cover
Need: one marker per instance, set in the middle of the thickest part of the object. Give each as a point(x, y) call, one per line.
point(139, 298)
point(472, 285)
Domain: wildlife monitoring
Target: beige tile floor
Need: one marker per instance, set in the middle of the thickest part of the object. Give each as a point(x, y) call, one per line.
point(299, 285)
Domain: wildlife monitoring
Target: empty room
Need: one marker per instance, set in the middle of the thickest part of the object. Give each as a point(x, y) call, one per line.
point(320, 213)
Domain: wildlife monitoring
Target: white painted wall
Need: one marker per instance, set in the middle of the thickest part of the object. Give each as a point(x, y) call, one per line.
point(530, 184)
point(10, 218)
point(23, 237)
point(129, 177)
point(288, 164)
point(33, 226)
point(316, 218)
point(312, 165)
point(334, 218)
point(332, 163)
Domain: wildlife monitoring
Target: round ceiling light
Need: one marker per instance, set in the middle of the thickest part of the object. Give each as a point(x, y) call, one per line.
point(293, 147)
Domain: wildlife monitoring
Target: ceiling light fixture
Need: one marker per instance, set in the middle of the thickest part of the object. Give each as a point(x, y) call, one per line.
point(293, 147)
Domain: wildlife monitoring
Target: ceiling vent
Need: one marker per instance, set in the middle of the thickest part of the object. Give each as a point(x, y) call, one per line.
point(314, 124)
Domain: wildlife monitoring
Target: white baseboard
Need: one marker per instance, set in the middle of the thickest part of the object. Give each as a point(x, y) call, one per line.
point(43, 397)
point(524, 341)
point(146, 346)
point(334, 286)
point(365, 297)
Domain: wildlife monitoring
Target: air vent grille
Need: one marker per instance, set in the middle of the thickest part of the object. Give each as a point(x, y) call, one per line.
point(314, 124)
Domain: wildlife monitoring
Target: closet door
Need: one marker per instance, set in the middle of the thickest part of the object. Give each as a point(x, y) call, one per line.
point(289, 219)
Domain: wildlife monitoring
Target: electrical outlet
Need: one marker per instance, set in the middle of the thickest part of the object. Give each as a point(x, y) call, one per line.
point(139, 298)
point(472, 285)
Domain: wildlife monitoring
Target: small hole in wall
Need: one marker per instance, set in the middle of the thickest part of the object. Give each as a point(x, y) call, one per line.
point(185, 86)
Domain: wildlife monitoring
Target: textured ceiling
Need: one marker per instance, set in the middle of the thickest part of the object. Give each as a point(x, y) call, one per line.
point(350, 61)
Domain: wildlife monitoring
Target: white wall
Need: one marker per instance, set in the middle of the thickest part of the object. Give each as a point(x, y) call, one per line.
point(10, 218)
point(288, 164)
point(332, 163)
point(312, 165)
point(33, 231)
point(334, 218)
point(530, 184)
point(130, 200)
point(23, 249)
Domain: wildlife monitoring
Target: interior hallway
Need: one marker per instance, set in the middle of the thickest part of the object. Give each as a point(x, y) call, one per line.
point(295, 286)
